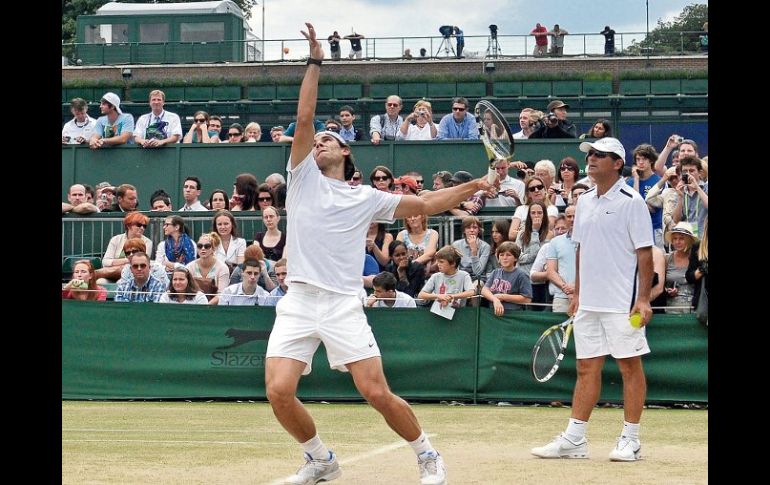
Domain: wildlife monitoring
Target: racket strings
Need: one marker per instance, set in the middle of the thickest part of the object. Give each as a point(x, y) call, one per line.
point(547, 354)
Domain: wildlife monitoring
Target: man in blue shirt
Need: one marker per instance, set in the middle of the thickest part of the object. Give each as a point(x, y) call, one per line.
point(114, 127)
point(642, 180)
point(459, 124)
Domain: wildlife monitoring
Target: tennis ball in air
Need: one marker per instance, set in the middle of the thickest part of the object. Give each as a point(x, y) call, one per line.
point(636, 320)
point(285, 50)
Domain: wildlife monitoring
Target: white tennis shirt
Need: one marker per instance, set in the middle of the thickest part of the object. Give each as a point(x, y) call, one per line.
point(327, 222)
point(610, 229)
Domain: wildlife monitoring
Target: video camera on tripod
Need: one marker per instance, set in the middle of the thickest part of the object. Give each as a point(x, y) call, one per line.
point(446, 31)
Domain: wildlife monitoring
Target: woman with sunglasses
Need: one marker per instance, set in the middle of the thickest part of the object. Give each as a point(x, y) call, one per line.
point(381, 178)
point(566, 177)
point(273, 240)
point(114, 258)
point(177, 248)
point(183, 289)
point(265, 197)
point(136, 245)
point(83, 285)
point(536, 192)
point(212, 275)
point(231, 248)
point(199, 131)
point(234, 134)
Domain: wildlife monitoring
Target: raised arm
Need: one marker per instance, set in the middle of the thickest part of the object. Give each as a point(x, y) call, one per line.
point(308, 96)
point(440, 200)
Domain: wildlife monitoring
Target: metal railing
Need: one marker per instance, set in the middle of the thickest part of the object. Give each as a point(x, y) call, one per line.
point(90, 235)
point(375, 48)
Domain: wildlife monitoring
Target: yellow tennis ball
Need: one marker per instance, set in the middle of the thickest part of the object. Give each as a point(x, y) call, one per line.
point(636, 320)
point(285, 50)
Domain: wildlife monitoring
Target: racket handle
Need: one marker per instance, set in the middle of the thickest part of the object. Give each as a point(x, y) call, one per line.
point(491, 176)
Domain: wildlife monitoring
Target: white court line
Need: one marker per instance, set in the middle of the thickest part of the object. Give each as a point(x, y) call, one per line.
point(362, 456)
point(177, 430)
point(187, 442)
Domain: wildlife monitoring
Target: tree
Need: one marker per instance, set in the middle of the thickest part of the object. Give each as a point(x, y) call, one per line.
point(679, 35)
point(73, 8)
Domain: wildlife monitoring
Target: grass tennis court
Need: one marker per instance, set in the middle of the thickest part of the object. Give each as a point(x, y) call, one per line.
point(242, 443)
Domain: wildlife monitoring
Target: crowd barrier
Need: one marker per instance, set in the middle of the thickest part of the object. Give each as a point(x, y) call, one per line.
point(156, 351)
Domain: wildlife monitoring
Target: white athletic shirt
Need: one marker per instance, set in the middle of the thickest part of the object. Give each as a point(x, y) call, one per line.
point(327, 225)
point(610, 229)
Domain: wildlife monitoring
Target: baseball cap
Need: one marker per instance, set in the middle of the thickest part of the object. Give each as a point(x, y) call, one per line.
point(114, 100)
point(408, 181)
point(606, 144)
point(556, 103)
point(461, 177)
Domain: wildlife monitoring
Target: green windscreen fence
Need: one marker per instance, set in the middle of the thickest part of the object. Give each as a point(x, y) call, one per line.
point(155, 351)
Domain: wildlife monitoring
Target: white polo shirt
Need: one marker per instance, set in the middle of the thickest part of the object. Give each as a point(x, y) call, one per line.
point(327, 222)
point(609, 230)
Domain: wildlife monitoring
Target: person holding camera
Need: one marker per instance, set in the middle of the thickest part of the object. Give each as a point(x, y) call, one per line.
point(419, 124)
point(199, 131)
point(693, 203)
point(555, 123)
point(678, 147)
point(334, 45)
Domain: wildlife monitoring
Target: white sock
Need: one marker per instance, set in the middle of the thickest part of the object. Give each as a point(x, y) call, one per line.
point(316, 448)
point(421, 444)
point(630, 430)
point(576, 430)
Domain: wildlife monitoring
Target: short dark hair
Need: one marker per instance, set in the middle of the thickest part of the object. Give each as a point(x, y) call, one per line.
point(194, 179)
point(347, 108)
point(78, 103)
point(647, 151)
point(385, 280)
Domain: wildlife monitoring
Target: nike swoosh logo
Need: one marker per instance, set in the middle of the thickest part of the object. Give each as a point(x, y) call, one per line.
point(371, 344)
point(640, 348)
point(608, 212)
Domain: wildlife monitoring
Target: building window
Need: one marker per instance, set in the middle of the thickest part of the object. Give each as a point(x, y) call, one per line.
point(202, 32)
point(106, 33)
point(153, 33)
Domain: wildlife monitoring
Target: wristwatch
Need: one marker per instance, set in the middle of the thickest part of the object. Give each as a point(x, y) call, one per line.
point(317, 62)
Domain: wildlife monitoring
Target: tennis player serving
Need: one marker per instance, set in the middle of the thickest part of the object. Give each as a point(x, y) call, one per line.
point(613, 280)
point(327, 218)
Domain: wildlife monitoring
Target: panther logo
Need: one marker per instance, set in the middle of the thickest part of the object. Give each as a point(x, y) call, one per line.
point(244, 336)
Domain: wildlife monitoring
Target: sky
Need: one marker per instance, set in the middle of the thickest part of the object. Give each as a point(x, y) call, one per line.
point(404, 18)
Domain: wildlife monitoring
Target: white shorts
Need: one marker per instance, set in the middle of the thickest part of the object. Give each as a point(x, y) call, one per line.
point(602, 333)
point(309, 315)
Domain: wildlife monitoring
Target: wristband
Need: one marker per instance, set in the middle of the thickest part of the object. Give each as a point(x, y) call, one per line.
point(310, 60)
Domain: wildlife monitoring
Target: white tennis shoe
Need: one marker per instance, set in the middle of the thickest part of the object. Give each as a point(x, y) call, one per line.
point(314, 471)
point(626, 449)
point(432, 469)
point(561, 447)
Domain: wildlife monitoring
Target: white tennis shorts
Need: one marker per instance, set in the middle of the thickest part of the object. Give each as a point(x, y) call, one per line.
point(602, 333)
point(309, 315)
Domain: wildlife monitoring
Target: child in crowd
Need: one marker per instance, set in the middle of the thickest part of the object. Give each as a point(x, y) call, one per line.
point(385, 294)
point(450, 285)
point(508, 287)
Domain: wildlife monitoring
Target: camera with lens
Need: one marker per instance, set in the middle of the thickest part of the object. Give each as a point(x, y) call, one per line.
point(446, 30)
point(679, 139)
point(686, 178)
point(422, 112)
point(551, 117)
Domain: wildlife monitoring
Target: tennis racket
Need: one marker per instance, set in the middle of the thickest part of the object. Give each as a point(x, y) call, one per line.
point(548, 352)
point(495, 133)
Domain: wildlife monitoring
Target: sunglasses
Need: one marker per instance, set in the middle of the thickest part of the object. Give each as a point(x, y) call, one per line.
point(419, 181)
point(567, 167)
point(536, 187)
point(130, 252)
point(204, 246)
point(138, 266)
point(458, 108)
point(356, 178)
point(392, 105)
point(381, 178)
point(138, 224)
point(265, 199)
point(233, 134)
point(598, 154)
point(200, 120)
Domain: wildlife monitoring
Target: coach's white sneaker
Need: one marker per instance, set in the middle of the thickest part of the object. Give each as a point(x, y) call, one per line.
point(314, 471)
point(561, 447)
point(626, 449)
point(432, 469)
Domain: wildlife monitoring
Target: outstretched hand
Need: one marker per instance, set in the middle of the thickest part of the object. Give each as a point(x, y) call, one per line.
point(316, 51)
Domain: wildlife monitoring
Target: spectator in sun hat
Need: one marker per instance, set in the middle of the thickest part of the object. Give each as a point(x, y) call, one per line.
point(114, 127)
point(555, 123)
